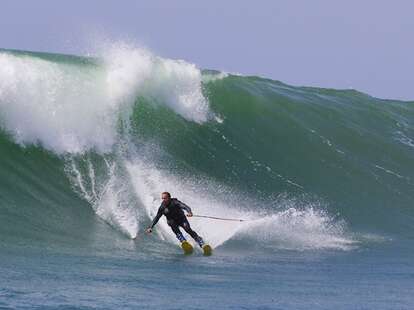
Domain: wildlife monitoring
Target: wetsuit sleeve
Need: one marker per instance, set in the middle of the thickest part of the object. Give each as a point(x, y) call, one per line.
point(183, 206)
point(157, 217)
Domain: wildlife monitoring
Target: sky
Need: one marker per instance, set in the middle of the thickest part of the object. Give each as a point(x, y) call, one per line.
point(361, 44)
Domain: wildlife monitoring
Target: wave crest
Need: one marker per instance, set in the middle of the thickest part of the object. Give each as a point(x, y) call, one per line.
point(73, 107)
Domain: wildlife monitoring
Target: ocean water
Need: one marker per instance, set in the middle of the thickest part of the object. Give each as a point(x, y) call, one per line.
point(323, 180)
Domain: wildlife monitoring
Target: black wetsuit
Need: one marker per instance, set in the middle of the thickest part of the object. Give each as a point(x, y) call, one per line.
point(176, 218)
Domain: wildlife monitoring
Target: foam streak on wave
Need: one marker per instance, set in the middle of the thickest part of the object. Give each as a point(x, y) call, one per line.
point(108, 193)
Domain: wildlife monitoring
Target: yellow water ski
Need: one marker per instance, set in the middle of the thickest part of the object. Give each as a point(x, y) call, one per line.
point(187, 247)
point(207, 250)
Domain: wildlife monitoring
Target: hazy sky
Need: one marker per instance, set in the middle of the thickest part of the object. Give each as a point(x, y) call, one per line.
point(363, 44)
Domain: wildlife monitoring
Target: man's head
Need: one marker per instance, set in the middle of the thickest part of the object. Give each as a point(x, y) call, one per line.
point(166, 197)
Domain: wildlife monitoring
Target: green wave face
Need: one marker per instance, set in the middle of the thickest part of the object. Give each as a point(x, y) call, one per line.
point(36, 198)
point(95, 134)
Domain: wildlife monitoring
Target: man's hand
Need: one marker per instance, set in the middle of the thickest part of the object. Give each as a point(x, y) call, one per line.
point(149, 230)
point(190, 214)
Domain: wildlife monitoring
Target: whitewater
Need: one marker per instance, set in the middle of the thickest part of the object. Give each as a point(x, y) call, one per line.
point(322, 179)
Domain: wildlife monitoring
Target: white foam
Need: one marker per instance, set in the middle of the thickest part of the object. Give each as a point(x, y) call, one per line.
point(297, 229)
point(62, 107)
point(72, 108)
point(211, 77)
point(175, 83)
point(404, 139)
point(390, 172)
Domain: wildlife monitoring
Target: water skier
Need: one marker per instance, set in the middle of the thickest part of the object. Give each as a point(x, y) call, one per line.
point(172, 208)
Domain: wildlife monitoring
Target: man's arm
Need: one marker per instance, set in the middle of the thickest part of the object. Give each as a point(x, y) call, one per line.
point(183, 206)
point(155, 220)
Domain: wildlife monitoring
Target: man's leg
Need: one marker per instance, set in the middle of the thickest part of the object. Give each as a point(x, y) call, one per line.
point(176, 229)
point(186, 225)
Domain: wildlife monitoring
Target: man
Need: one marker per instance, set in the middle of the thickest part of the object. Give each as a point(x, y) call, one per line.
point(172, 208)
